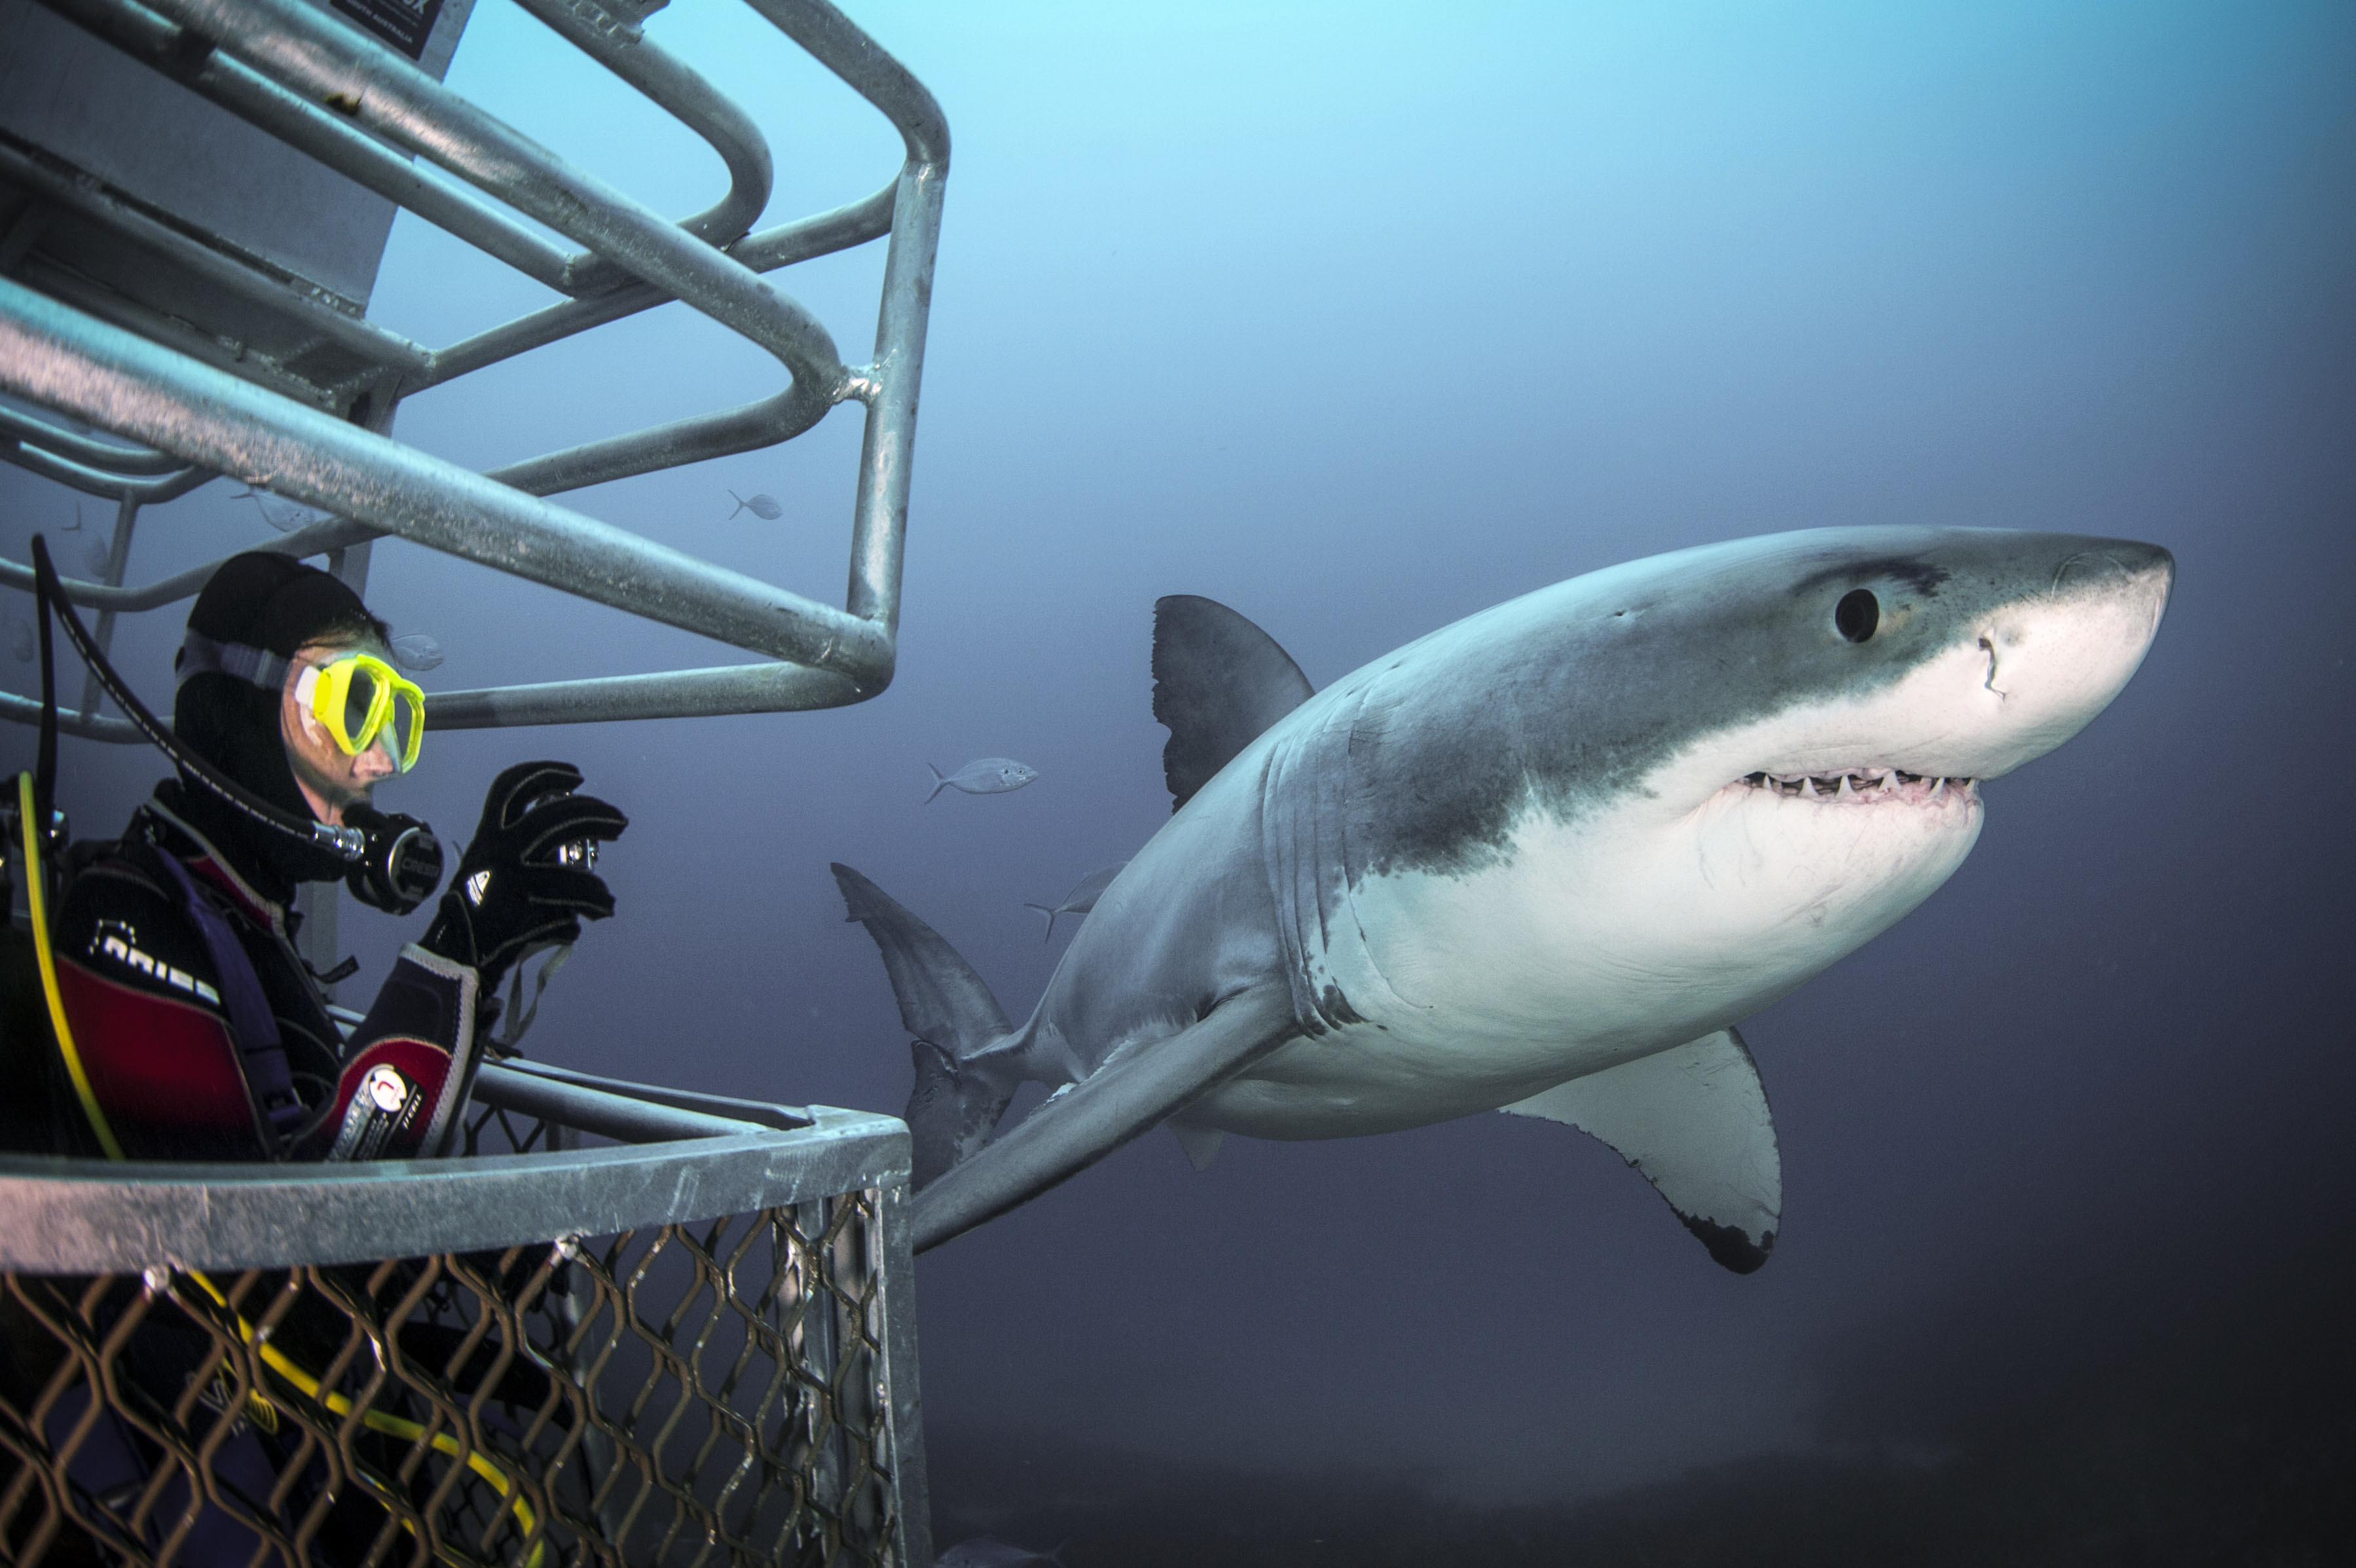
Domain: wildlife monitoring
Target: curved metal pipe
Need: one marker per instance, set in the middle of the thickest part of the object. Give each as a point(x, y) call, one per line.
point(763, 252)
point(670, 694)
point(310, 52)
point(18, 710)
point(104, 456)
point(112, 487)
point(845, 656)
point(680, 90)
point(880, 512)
point(836, 43)
point(55, 356)
point(314, 539)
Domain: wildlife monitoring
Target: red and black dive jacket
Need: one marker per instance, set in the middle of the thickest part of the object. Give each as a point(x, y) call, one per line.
point(203, 1036)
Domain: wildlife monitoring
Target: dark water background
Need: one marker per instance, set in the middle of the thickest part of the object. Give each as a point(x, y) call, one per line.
point(1360, 319)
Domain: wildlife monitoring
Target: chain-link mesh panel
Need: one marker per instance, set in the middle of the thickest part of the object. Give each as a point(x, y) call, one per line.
point(700, 1392)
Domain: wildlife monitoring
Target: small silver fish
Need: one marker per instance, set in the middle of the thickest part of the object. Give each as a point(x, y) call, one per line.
point(415, 650)
point(21, 641)
point(983, 1551)
point(991, 775)
point(89, 552)
point(762, 507)
point(1081, 899)
point(280, 513)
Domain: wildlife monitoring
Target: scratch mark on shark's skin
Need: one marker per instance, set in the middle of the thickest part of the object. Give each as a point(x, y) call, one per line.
point(1988, 647)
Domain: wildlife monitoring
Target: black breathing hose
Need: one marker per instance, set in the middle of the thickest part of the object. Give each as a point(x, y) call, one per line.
point(348, 842)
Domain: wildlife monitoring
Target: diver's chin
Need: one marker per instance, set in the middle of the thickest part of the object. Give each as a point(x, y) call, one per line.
point(329, 801)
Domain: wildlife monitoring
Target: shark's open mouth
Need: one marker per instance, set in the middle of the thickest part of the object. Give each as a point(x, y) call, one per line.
point(1866, 786)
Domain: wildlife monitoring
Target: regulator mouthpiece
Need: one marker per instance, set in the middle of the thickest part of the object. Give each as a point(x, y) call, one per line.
point(401, 864)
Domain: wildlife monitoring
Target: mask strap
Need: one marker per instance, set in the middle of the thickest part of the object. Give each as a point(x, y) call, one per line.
point(201, 655)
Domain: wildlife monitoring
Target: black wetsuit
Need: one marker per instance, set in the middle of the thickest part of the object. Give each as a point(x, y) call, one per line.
point(174, 1025)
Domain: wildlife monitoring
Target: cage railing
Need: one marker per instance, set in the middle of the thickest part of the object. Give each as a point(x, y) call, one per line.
point(306, 421)
point(692, 1345)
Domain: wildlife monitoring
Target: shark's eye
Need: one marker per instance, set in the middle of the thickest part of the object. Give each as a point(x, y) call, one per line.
point(1857, 614)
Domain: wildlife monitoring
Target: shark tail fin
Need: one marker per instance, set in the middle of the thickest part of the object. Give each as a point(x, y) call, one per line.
point(1051, 913)
point(962, 1087)
point(940, 783)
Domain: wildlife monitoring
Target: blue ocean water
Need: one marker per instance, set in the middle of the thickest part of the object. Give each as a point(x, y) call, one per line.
point(1360, 319)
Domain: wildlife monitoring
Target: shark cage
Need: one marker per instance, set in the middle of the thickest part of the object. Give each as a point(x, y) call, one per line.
point(623, 1323)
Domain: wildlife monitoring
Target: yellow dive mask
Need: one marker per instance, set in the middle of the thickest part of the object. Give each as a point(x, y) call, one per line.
point(359, 698)
point(361, 701)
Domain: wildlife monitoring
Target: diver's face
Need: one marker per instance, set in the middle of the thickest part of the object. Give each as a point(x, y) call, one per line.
point(330, 781)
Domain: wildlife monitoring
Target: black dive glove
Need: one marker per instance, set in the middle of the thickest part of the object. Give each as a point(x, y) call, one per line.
point(524, 880)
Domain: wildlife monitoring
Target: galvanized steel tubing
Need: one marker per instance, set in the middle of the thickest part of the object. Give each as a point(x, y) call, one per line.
point(118, 380)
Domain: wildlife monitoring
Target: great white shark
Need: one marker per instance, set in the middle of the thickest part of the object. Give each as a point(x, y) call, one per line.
point(1543, 861)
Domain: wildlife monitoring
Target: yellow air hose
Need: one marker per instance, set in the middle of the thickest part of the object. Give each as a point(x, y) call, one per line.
point(37, 900)
point(277, 1361)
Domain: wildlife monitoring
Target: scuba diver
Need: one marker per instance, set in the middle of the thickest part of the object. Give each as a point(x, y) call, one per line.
point(197, 1031)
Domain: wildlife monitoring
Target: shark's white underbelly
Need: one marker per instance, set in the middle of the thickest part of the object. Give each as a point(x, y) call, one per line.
point(1592, 944)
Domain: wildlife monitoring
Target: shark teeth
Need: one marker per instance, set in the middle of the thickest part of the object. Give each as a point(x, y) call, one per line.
point(1858, 786)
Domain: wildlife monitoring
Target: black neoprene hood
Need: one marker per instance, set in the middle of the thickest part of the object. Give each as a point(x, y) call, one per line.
point(276, 604)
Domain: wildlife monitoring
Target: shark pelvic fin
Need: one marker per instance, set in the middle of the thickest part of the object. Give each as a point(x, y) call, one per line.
point(1218, 683)
point(1694, 1120)
point(962, 1086)
point(1200, 1144)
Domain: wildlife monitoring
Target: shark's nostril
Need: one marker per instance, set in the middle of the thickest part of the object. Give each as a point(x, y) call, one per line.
point(2088, 567)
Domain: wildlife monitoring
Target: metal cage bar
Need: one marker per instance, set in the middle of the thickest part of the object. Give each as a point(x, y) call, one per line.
point(272, 60)
point(695, 1346)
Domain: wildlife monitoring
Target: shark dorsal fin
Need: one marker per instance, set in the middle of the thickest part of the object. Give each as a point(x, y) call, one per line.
point(1219, 682)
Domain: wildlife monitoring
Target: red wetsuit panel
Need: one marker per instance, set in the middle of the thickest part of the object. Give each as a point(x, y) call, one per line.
point(389, 1092)
point(164, 1071)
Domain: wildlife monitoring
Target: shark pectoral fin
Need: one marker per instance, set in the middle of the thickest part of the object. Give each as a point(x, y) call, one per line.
point(1118, 1102)
point(1200, 1144)
point(1694, 1120)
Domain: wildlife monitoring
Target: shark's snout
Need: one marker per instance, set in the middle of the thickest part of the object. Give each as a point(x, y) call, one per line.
point(2117, 563)
point(2053, 659)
